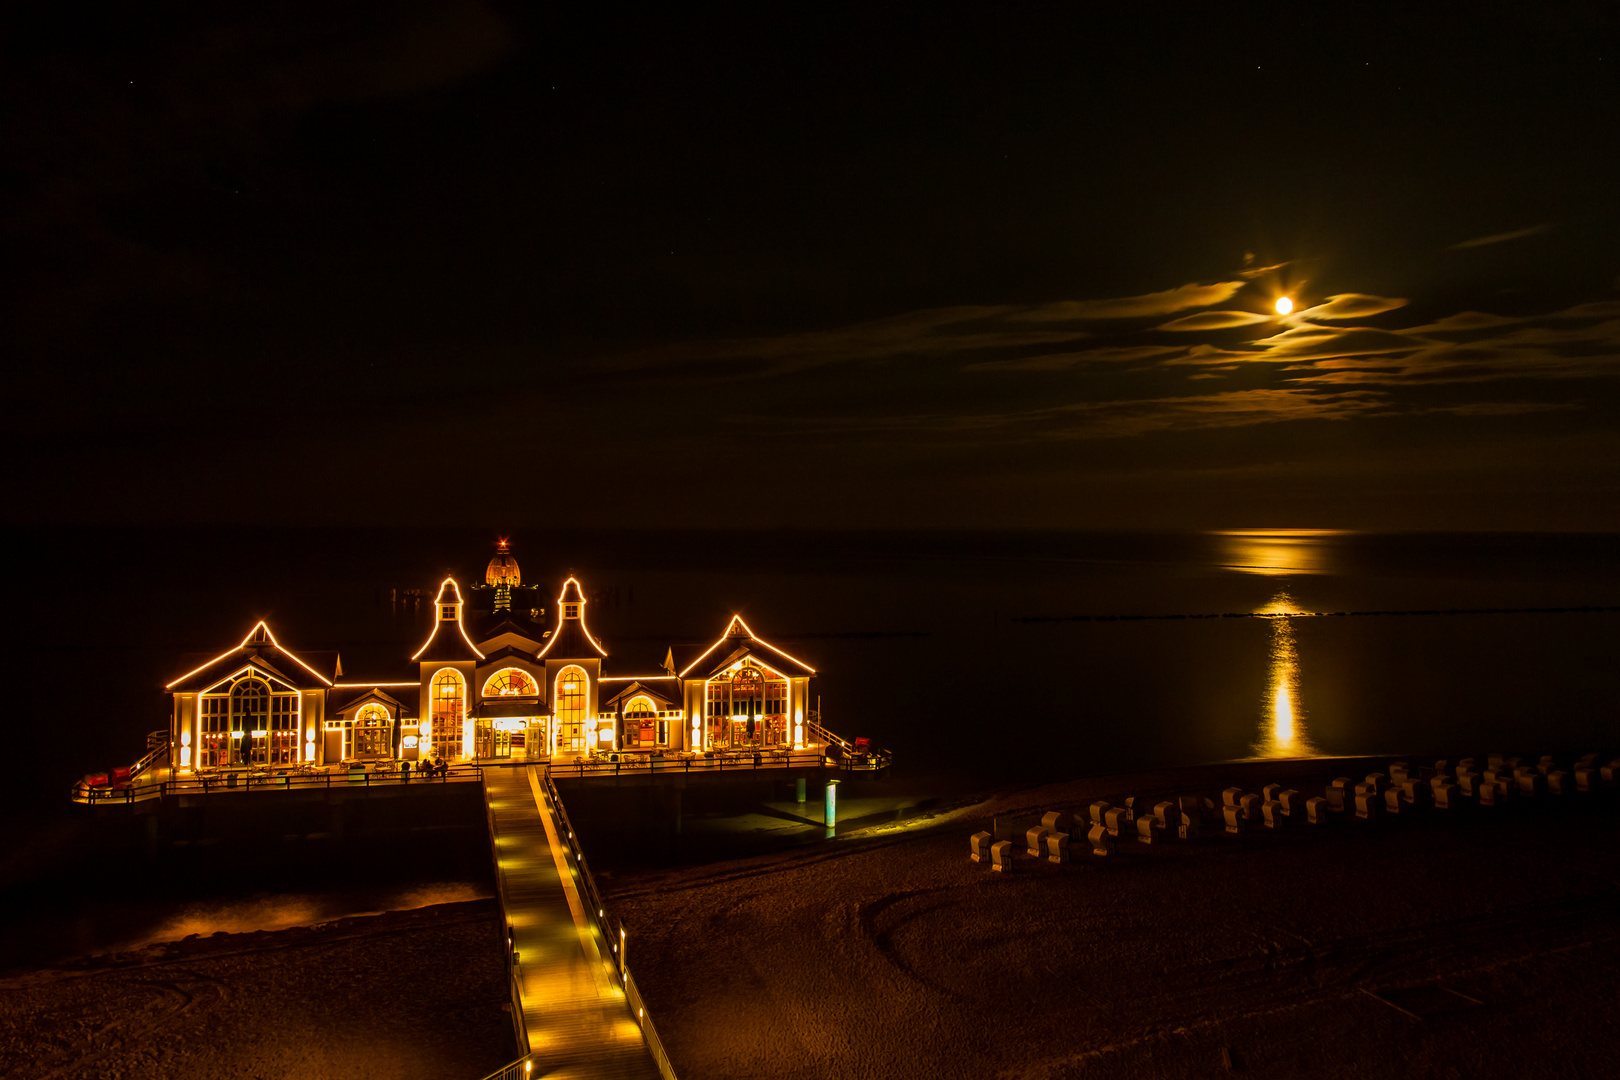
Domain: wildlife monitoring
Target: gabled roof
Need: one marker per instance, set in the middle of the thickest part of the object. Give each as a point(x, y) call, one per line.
point(442, 645)
point(499, 657)
point(571, 640)
point(344, 698)
point(514, 628)
point(664, 690)
point(737, 643)
point(260, 647)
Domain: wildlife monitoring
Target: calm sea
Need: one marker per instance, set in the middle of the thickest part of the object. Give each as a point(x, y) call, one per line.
point(985, 656)
point(977, 659)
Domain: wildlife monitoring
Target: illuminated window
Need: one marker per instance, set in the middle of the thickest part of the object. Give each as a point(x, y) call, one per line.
point(372, 734)
point(511, 682)
point(570, 611)
point(641, 723)
point(449, 707)
point(569, 706)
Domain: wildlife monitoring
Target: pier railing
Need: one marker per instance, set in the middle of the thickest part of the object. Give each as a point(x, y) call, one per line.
point(596, 914)
point(303, 778)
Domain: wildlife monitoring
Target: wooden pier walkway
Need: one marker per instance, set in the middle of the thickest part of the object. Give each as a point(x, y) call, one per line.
point(576, 1017)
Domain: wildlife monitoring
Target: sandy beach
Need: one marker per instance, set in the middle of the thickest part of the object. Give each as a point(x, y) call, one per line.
point(411, 994)
point(1471, 944)
point(1466, 944)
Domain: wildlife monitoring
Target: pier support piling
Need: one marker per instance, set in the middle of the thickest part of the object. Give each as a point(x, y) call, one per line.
point(832, 803)
point(802, 788)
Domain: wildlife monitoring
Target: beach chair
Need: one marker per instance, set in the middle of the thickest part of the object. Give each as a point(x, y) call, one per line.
point(1191, 815)
point(1440, 767)
point(1055, 821)
point(1494, 761)
point(1001, 855)
point(979, 846)
point(1441, 790)
point(1316, 810)
point(1491, 792)
point(1399, 773)
point(1165, 812)
point(1292, 804)
point(1100, 811)
point(1378, 781)
point(1545, 765)
point(1113, 820)
point(1367, 801)
point(1250, 805)
point(1057, 847)
point(1231, 795)
point(1036, 840)
point(1468, 782)
point(1234, 819)
point(1610, 773)
point(1467, 764)
point(1530, 783)
point(1338, 794)
point(1270, 792)
point(1102, 843)
point(1271, 812)
point(1560, 784)
point(1586, 777)
point(1149, 830)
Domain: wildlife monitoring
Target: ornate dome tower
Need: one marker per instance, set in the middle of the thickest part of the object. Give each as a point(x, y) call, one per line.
point(503, 568)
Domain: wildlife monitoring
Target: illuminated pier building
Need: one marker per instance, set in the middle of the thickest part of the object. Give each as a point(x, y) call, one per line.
point(494, 680)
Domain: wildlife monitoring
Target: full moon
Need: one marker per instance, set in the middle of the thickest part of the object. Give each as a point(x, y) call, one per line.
point(1284, 305)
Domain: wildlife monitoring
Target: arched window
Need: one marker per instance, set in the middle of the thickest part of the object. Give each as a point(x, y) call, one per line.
point(640, 708)
point(570, 706)
point(373, 733)
point(250, 721)
point(449, 708)
point(511, 682)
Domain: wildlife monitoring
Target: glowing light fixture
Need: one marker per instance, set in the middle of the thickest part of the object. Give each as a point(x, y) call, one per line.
point(1284, 305)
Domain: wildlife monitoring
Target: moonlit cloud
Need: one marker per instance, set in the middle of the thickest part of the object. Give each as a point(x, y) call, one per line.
point(1502, 238)
point(1216, 320)
point(1350, 306)
point(1031, 378)
point(1150, 305)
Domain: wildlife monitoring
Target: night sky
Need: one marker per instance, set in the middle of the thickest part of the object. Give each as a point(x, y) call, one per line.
point(525, 266)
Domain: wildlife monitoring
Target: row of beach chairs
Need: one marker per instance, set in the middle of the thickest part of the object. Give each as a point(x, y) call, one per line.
point(1401, 790)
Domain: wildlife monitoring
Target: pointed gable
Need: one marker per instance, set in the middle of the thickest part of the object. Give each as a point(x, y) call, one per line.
point(261, 649)
point(738, 643)
point(448, 640)
point(571, 640)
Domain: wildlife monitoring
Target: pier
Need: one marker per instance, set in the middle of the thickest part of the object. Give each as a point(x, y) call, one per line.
point(572, 997)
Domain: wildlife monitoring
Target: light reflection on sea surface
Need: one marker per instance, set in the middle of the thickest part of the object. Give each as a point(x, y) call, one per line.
point(1283, 733)
point(1277, 552)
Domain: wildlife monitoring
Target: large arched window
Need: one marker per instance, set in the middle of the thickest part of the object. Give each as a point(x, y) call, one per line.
point(511, 682)
point(250, 722)
point(570, 706)
point(449, 708)
point(373, 733)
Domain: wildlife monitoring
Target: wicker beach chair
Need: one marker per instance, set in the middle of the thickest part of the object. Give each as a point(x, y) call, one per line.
point(1001, 855)
point(1057, 847)
point(1036, 840)
point(1102, 842)
point(1316, 810)
point(979, 846)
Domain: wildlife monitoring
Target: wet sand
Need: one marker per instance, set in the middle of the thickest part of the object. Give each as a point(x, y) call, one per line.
point(410, 994)
point(1473, 944)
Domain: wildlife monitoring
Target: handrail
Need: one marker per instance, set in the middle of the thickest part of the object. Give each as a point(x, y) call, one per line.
point(295, 777)
point(514, 978)
point(512, 1071)
point(597, 914)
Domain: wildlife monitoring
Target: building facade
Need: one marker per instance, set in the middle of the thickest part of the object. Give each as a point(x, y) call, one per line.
point(499, 683)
